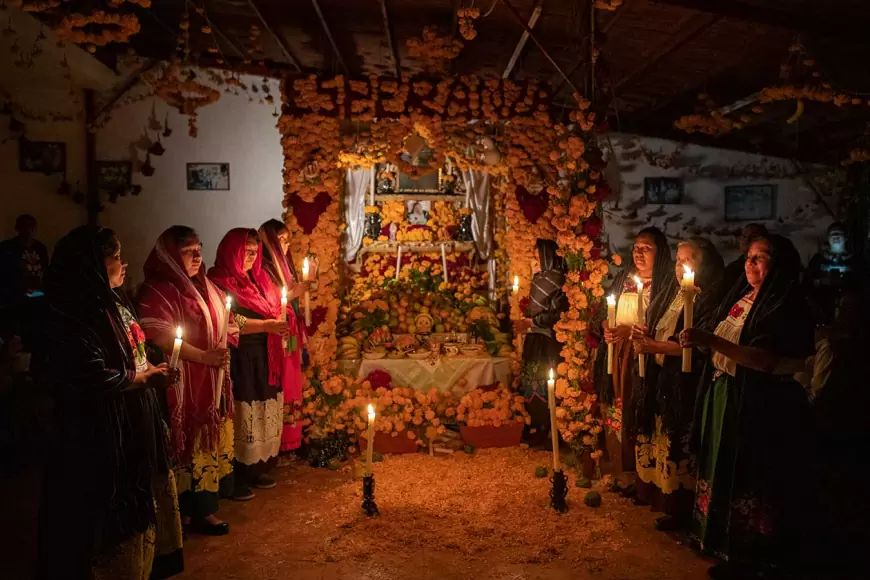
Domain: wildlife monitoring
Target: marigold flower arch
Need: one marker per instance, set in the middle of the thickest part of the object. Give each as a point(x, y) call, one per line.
point(328, 125)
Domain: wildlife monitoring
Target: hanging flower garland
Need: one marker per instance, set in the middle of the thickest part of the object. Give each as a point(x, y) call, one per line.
point(113, 28)
point(184, 93)
point(467, 16)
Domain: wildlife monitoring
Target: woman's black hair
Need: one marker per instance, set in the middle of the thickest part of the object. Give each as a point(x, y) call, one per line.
point(108, 241)
point(274, 225)
point(181, 234)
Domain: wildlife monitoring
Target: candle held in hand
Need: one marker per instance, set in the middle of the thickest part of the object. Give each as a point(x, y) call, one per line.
point(689, 291)
point(554, 429)
point(307, 298)
point(219, 387)
point(516, 284)
point(641, 320)
point(371, 439)
point(176, 349)
point(283, 314)
point(611, 323)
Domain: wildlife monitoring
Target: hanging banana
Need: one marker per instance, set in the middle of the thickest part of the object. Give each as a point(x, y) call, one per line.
point(798, 112)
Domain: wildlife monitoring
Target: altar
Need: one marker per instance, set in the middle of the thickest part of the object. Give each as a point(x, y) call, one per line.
point(457, 374)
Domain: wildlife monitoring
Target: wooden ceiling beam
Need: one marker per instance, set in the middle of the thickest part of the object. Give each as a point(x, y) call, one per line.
point(282, 44)
point(518, 50)
point(525, 26)
point(328, 32)
point(217, 30)
point(853, 25)
point(388, 31)
point(692, 28)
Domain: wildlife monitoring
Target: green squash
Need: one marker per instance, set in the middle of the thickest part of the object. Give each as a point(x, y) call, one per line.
point(377, 457)
point(541, 472)
point(592, 499)
point(583, 482)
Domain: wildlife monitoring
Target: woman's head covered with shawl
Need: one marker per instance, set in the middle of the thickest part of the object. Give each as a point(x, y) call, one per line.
point(251, 288)
point(274, 256)
point(548, 256)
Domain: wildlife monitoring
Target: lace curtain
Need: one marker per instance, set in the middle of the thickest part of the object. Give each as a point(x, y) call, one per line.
point(477, 199)
point(358, 184)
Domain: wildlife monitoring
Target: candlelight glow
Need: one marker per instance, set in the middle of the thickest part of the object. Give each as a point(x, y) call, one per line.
point(686, 269)
point(516, 283)
point(551, 374)
point(178, 333)
point(284, 294)
point(611, 300)
point(229, 303)
point(371, 413)
point(305, 268)
point(637, 280)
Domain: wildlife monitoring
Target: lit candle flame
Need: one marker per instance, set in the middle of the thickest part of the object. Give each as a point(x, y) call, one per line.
point(686, 269)
point(637, 280)
point(611, 300)
point(305, 268)
point(516, 283)
point(229, 303)
point(371, 412)
point(551, 374)
point(284, 294)
point(178, 333)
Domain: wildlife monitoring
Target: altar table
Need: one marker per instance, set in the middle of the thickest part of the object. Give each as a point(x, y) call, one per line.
point(443, 374)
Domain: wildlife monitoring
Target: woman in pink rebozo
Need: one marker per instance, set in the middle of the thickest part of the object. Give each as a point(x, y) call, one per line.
point(257, 363)
point(275, 238)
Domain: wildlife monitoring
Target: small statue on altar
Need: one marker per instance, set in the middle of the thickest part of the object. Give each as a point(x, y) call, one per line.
point(394, 229)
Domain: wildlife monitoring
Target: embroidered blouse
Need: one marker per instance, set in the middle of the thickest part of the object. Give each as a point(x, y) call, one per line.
point(668, 323)
point(136, 338)
point(730, 330)
point(626, 309)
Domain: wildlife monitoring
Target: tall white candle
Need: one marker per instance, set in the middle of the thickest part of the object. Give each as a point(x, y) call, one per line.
point(372, 185)
point(223, 344)
point(176, 349)
point(689, 290)
point(641, 320)
point(398, 262)
point(283, 316)
point(611, 323)
point(554, 428)
point(444, 263)
point(305, 269)
point(516, 284)
point(371, 439)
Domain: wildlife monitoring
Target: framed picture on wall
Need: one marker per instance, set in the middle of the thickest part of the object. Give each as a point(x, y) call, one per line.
point(208, 176)
point(114, 177)
point(41, 156)
point(662, 190)
point(750, 202)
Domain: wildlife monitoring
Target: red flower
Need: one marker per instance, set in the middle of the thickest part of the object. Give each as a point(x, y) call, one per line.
point(592, 227)
point(583, 275)
point(595, 253)
point(704, 504)
point(736, 311)
point(524, 304)
point(379, 378)
point(488, 388)
point(136, 332)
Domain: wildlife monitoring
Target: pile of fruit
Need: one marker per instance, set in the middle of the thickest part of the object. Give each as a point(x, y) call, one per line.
point(384, 322)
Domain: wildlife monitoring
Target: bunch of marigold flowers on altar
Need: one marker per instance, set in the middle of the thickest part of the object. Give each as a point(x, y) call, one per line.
point(324, 411)
point(491, 406)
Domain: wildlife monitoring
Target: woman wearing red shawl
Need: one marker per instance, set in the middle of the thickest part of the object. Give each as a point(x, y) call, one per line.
point(177, 293)
point(276, 241)
point(257, 364)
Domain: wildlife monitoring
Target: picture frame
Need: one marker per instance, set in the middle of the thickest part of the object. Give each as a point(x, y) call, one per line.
point(417, 211)
point(44, 157)
point(663, 190)
point(750, 203)
point(114, 177)
point(208, 176)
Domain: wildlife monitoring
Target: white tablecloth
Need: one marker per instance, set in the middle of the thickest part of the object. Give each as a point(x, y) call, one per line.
point(444, 374)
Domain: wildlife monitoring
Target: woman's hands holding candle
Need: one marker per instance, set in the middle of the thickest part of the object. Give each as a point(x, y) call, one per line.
point(642, 342)
point(692, 337)
point(218, 357)
point(278, 327)
point(617, 334)
point(297, 290)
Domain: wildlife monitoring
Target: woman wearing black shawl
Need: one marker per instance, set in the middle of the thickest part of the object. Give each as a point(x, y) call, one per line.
point(541, 350)
point(751, 422)
point(650, 263)
point(665, 401)
point(103, 497)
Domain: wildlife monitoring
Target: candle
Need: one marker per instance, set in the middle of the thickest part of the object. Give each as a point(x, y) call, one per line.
point(176, 349)
point(641, 319)
point(554, 429)
point(305, 269)
point(611, 323)
point(371, 439)
point(439, 179)
point(689, 290)
point(516, 284)
point(444, 263)
point(283, 315)
point(398, 262)
point(372, 185)
point(223, 344)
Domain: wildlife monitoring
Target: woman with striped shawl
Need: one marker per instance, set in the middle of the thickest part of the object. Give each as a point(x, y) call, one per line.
point(541, 350)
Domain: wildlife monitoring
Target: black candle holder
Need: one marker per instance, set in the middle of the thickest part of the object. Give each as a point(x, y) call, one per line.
point(559, 492)
point(368, 505)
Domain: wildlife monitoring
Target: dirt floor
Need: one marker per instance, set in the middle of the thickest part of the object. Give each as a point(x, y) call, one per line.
point(481, 516)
